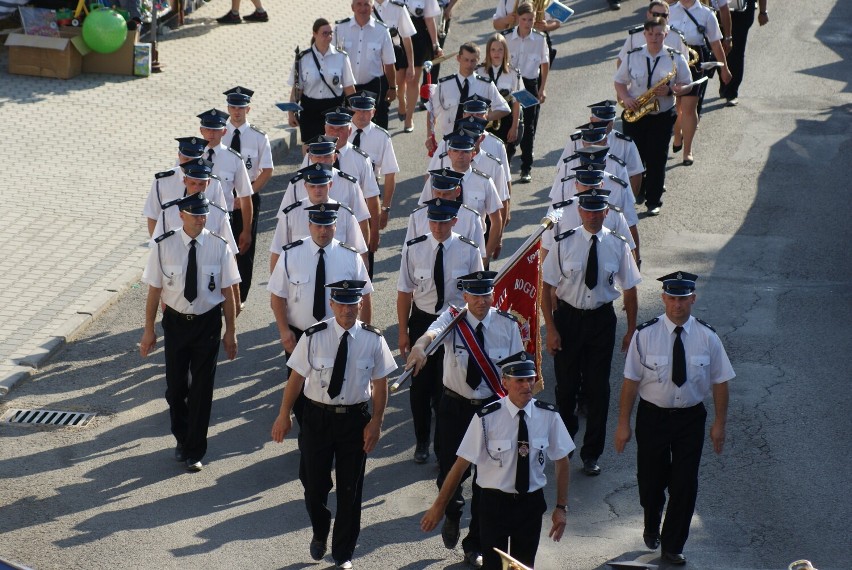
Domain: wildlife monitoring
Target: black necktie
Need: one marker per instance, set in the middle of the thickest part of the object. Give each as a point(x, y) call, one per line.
point(319, 288)
point(474, 376)
point(339, 370)
point(210, 155)
point(678, 359)
point(438, 277)
point(462, 98)
point(235, 142)
point(522, 474)
point(190, 286)
point(592, 264)
point(357, 140)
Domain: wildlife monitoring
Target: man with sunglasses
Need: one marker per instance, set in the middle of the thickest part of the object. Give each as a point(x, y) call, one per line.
point(636, 39)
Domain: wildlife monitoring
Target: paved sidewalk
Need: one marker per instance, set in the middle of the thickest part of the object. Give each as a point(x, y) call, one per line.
point(81, 155)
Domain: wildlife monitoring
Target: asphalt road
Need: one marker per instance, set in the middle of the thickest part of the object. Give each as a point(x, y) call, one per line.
point(761, 216)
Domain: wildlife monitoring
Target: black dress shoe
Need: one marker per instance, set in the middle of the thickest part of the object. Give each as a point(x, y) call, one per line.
point(450, 532)
point(318, 549)
point(180, 454)
point(473, 559)
point(652, 540)
point(672, 558)
point(591, 467)
point(194, 465)
point(614, 5)
point(421, 452)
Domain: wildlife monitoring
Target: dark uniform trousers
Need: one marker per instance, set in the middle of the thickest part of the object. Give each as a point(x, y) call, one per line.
point(741, 22)
point(588, 338)
point(516, 516)
point(669, 443)
point(652, 135)
point(191, 346)
point(454, 415)
point(378, 85)
point(530, 125)
point(329, 439)
point(299, 404)
point(426, 387)
point(245, 261)
point(311, 120)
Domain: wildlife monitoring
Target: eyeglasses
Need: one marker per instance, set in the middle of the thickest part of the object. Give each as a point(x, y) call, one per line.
point(659, 15)
point(327, 34)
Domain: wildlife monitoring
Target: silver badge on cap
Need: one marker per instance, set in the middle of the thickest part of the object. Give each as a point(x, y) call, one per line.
point(346, 284)
point(322, 208)
point(437, 201)
point(238, 90)
point(200, 161)
point(523, 356)
point(479, 275)
point(679, 275)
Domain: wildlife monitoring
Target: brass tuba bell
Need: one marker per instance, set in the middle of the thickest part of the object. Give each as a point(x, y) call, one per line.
point(510, 563)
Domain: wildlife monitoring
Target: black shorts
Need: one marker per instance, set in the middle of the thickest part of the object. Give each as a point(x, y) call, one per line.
point(421, 42)
point(401, 59)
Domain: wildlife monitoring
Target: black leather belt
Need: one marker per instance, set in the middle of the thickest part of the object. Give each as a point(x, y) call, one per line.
point(340, 409)
point(560, 304)
point(187, 316)
point(471, 401)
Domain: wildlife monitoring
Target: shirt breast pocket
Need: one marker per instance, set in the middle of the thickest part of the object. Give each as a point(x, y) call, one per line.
point(299, 279)
point(364, 371)
point(422, 278)
point(226, 177)
point(172, 278)
point(539, 446)
point(212, 277)
point(610, 269)
point(572, 270)
point(656, 367)
point(334, 75)
point(498, 354)
point(322, 368)
point(499, 448)
point(699, 366)
point(250, 158)
point(374, 48)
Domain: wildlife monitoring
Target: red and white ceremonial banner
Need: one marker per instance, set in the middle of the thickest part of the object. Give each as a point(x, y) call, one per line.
point(517, 293)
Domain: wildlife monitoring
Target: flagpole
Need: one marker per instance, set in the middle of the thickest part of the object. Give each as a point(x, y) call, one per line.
point(545, 224)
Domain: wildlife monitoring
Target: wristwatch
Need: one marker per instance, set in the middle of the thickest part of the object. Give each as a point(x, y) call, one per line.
point(563, 507)
point(386, 208)
point(727, 38)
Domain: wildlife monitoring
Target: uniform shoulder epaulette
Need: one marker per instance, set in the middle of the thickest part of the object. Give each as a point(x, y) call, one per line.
point(169, 233)
point(615, 208)
point(569, 177)
point(296, 177)
point(254, 128)
point(362, 153)
point(346, 176)
point(217, 206)
point(563, 203)
point(672, 51)
point(316, 328)
point(490, 408)
point(546, 406)
point(303, 53)
point(293, 244)
point(635, 49)
point(215, 177)
point(571, 157)
point(576, 136)
point(418, 239)
point(291, 207)
point(380, 129)
point(618, 236)
point(235, 152)
point(706, 325)
point(343, 21)
point(622, 136)
point(345, 207)
point(564, 235)
point(164, 174)
point(636, 29)
point(371, 328)
point(539, 32)
point(647, 324)
point(494, 158)
point(380, 22)
point(463, 206)
point(615, 178)
point(447, 78)
point(398, 3)
point(351, 248)
point(507, 315)
point(418, 208)
point(482, 78)
point(466, 240)
point(616, 159)
point(475, 171)
point(506, 32)
point(214, 234)
point(444, 154)
point(675, 30)
point(343, 51)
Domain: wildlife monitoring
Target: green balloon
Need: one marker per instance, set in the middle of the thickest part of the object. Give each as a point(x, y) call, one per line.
point(104, 31)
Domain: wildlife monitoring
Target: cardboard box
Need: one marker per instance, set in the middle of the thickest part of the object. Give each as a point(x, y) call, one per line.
point(119, 62)
point(41, 56)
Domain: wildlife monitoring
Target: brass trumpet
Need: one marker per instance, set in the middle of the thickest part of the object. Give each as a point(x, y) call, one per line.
point(693, 57)
point(510, 563)
point(648, 102)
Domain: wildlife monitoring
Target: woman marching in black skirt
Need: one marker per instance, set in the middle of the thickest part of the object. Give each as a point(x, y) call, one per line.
point(508, 80)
